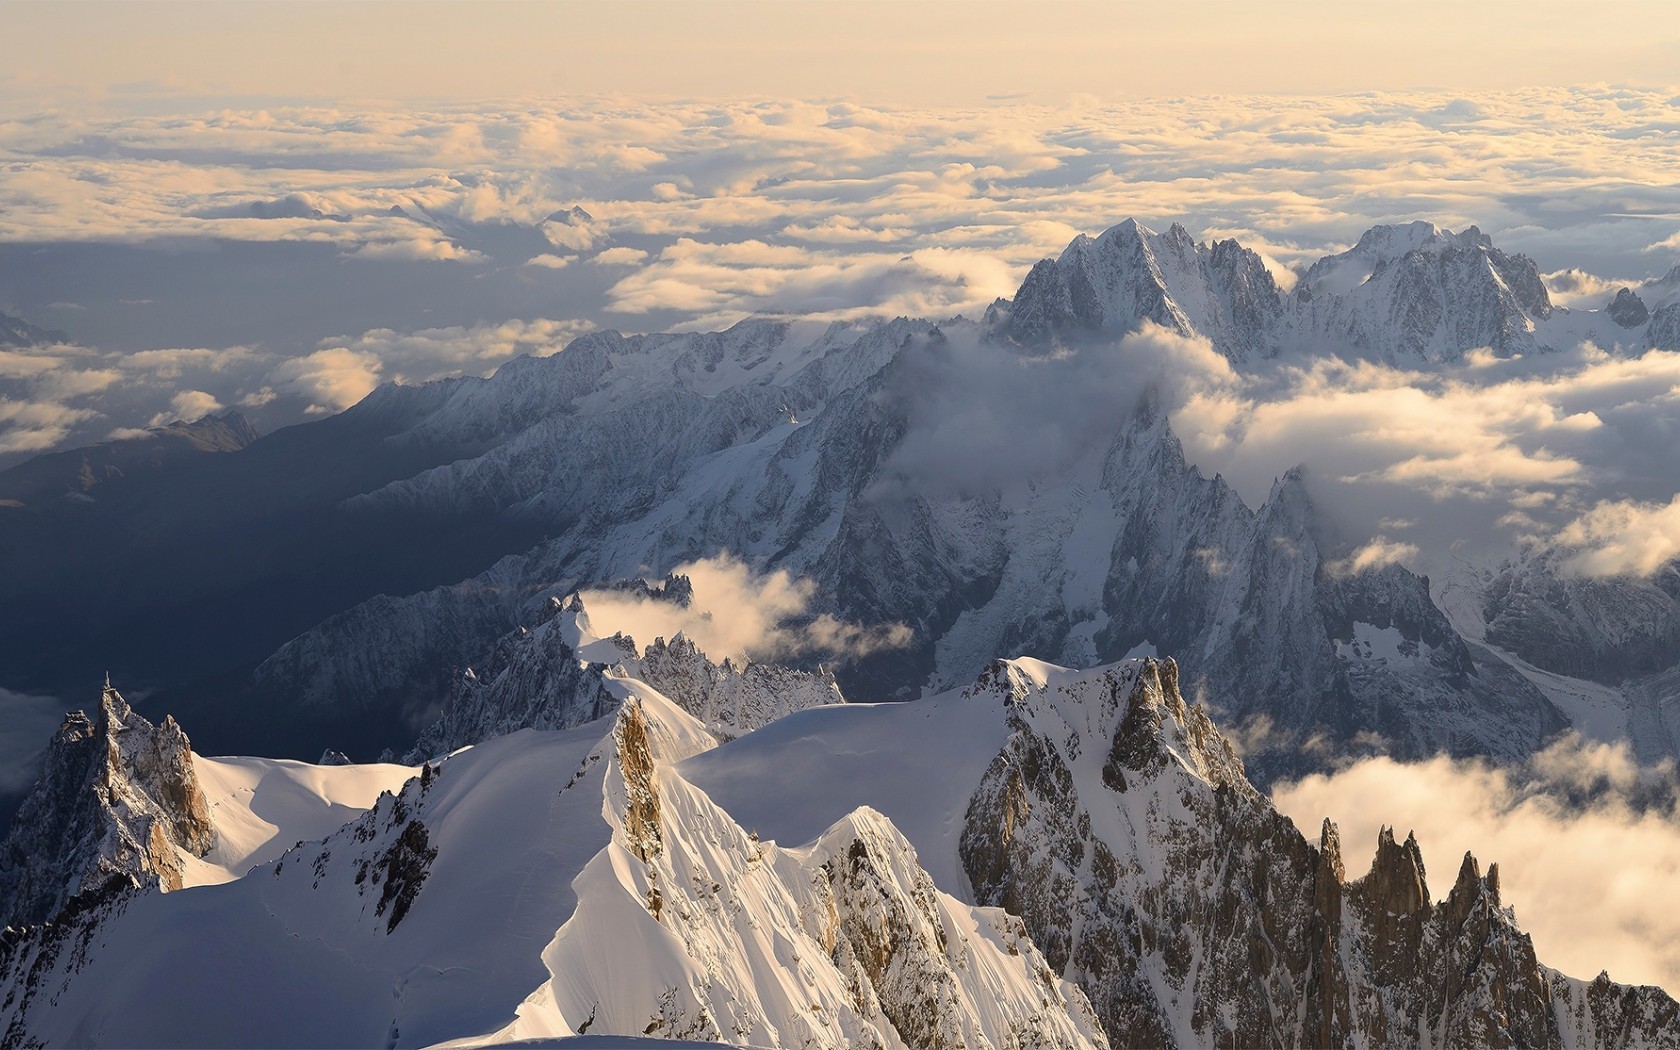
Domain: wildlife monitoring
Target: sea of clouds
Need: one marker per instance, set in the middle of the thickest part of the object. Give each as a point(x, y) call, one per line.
point(286, 260)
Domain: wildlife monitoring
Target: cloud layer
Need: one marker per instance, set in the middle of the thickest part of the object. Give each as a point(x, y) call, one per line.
point(804, 206)
point(1587, 843)
point(68, 394)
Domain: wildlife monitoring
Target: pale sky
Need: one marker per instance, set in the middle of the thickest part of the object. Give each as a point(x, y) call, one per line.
point(922, 51)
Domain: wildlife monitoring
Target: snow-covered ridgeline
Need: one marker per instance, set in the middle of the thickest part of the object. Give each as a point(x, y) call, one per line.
point(546, 883)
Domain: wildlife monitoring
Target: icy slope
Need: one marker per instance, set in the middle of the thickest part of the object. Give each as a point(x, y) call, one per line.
point(227, 964)
point(843, 943)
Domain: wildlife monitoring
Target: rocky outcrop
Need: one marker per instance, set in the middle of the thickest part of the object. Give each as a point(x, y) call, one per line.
point(117, 798)
point(1627, 309)
point(732, 698)
point(1118, 824)
point(554, 675)
point(1663, 332)
point(534, 679)
point(1410, 293)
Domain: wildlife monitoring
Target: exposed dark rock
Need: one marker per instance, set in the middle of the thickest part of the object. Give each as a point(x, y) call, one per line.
point(1627, 309)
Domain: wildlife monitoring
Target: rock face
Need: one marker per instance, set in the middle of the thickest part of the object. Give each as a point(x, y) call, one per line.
point(118, 799)
point(1663, 332)
point(534, 679)
point(1610, 629)
point(731, 698)
point(1117, 822)
point(1130, 274)
point(1416, 293)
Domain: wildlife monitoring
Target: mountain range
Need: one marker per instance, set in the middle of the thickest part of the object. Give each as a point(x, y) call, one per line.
point(883, 835)
point(375, 554)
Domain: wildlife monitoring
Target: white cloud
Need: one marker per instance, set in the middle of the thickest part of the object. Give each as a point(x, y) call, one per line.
point(188, 405)
point(577, 236)
point(69, 394)
point(552, 262)
point(432, 353)
point(739, 613)
point(1623, 537)
point(332, 379)
point(983, 416)
point(1570, 175)
point(33, 426)
point(1587, 843)
point(1378, 552)
point(421, 247)
point(620, 256)
point(1576, 288)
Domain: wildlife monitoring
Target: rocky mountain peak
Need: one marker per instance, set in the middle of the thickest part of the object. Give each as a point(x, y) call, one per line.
point(1627, 309)
point(1130, 274)
point(1396, 882)
point(117, 796)
point(1113, 874)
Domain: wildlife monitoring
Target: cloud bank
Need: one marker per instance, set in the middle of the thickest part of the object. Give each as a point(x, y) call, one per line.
point(27, 727)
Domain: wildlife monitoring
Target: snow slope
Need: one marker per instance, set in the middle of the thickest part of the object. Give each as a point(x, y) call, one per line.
point(261, 807)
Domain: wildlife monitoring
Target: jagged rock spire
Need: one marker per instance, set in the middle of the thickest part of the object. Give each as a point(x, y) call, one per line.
point(118, 796)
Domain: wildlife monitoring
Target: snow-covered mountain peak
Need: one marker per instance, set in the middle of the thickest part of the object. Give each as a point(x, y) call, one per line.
point(1129, 274)
point(1402, 292)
